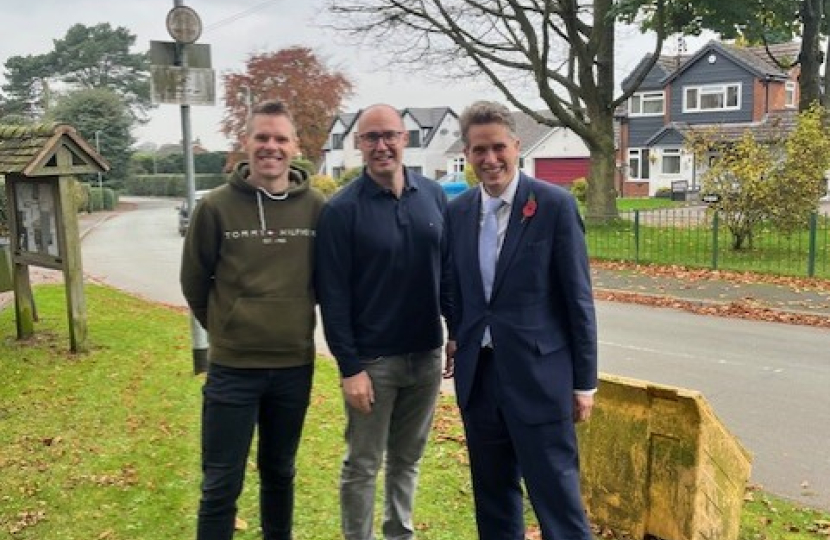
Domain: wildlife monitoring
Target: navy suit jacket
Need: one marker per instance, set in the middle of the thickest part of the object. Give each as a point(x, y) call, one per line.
point(541, 311)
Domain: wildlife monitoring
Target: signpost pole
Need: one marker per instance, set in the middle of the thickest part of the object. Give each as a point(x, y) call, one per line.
point(198, 334)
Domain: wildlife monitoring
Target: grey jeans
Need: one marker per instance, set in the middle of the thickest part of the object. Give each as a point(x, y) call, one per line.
point(406, 388)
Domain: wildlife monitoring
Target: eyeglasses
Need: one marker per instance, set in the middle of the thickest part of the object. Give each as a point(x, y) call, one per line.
point(372, 138)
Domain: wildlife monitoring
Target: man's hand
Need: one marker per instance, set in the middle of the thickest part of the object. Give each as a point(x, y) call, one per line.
point(449, 360)
point(358, 392)
point(583, 403)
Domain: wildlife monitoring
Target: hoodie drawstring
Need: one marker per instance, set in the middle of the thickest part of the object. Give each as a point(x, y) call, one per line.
point(261, 208)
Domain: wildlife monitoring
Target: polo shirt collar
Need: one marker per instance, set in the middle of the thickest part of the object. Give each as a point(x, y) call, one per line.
point(373, 188)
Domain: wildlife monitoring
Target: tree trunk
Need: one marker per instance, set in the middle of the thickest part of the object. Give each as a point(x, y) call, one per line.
point(601, 198)
point(810, 54)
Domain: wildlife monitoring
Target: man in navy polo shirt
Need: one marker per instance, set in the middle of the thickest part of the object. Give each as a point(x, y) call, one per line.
point(382, 278)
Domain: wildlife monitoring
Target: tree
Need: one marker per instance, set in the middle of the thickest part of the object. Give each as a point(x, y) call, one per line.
point(86, 57)
point(100, 110)
point(754, 22)
point(778, 178)
point(99, 57)
point(312, 91)
point(27, 87)
point(564, 50)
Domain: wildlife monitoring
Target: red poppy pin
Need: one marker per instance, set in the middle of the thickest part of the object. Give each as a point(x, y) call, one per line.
point(529, 209)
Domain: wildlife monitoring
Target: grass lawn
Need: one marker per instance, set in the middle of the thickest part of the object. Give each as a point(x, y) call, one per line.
point(105, 445)
point(628, 204)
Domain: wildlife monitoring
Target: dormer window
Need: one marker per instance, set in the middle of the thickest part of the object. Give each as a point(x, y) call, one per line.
point(712, 97)
point(646, 104)
point(337, 141)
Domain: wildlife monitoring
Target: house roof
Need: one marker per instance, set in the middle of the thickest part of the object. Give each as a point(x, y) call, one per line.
point(428, 118)
point(666, 65)
point(772, 125)
point(528, 130)
point(347, 119)
point(29, 149)
point(752, 59)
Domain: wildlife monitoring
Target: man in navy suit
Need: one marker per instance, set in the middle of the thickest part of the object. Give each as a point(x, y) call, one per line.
point(525, 366)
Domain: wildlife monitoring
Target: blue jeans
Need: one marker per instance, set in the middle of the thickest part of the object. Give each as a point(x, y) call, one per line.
point(406, 388)
point(235, 402)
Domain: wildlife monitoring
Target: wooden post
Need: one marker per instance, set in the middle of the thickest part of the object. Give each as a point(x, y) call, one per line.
point(24, 302)
point(73, 271)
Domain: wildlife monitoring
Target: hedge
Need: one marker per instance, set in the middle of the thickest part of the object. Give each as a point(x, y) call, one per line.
point(169, 185)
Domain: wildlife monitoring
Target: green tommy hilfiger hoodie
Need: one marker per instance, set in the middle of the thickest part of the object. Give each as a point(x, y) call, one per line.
point(247, 269)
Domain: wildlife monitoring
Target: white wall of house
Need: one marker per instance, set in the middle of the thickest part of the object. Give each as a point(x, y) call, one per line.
point(343, 159)
point(333, 158)
point(669, 165)
point(559, 143)
point(432, 159)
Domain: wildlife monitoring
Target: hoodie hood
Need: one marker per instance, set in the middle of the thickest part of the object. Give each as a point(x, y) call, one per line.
point(298, 184)
point(298, 181)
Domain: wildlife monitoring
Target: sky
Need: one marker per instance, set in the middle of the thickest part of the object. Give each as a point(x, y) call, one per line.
point(234, 29)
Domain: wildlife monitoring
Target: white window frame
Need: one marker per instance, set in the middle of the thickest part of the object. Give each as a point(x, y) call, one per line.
point(711, 90)
point(670, 153)
point(789, 94)
point(458, 164)
point(640, 156)
point(638, 101)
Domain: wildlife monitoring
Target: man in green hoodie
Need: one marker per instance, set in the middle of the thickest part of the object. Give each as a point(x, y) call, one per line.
point(247, 276)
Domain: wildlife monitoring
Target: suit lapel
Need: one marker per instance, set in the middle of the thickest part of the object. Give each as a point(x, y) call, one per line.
point(471, 224)
point(514, 233)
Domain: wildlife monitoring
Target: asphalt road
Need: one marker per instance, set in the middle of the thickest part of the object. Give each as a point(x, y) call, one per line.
point(768, 382)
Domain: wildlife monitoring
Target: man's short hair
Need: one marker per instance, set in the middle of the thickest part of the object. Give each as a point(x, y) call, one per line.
point(272, 107)
point(486, 112)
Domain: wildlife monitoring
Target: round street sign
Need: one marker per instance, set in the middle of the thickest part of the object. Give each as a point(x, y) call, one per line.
point(184, 24)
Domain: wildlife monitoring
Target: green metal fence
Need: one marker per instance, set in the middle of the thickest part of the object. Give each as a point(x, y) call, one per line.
point(696, 237)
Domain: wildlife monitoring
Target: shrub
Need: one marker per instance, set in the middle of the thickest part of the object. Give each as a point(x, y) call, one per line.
point(470, 176)
point(80, 196)
point(579, 189)
point(663, 193)
point(102, 199)
point(324, 183)
point(304, 164)
point(349, 175)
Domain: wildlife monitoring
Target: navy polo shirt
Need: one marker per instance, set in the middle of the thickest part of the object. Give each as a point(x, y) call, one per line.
point(382, 270)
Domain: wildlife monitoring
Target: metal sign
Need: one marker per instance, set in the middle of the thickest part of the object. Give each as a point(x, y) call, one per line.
point(710, 198)
point(184, 24)
point(163, 53)
point(183, 85)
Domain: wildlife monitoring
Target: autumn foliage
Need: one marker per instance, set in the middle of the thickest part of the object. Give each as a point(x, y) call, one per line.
point(777, 179)
point(312, 91)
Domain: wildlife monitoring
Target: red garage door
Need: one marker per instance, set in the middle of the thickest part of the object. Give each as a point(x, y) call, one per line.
point(562, 171)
